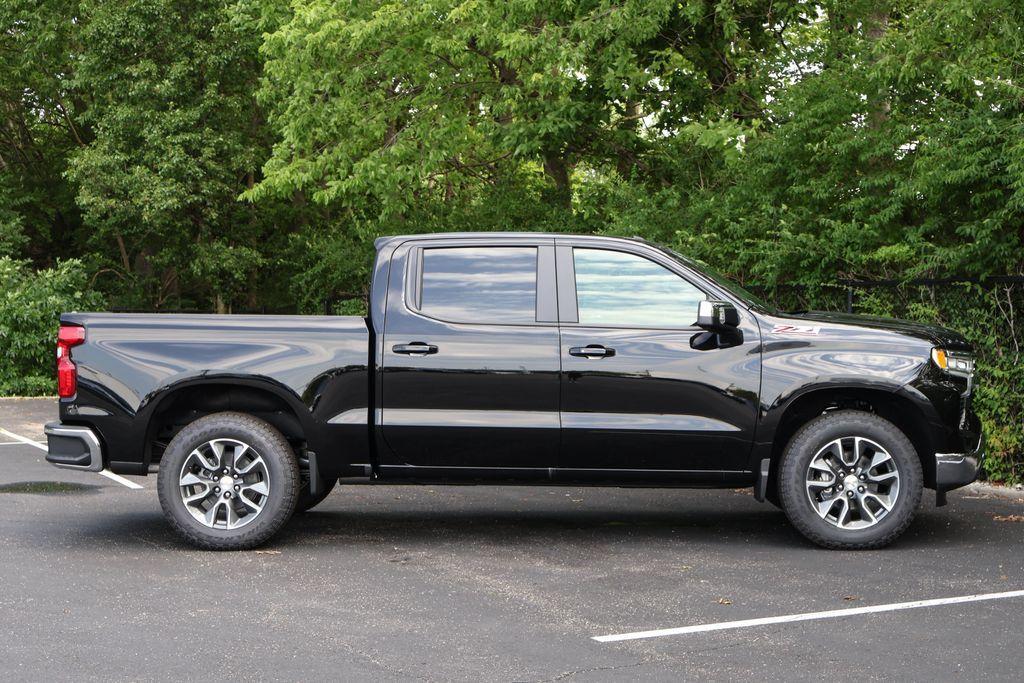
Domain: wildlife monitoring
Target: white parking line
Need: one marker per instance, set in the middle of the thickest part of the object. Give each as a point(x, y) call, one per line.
point(106, 473)
point(806, 616)
point(22, 439)
point(119, 479)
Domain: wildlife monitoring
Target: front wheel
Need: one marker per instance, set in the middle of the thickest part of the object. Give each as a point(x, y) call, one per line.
point(228, 481)
point(850, 480)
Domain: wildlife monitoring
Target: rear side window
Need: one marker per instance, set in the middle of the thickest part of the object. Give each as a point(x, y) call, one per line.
point(496, 285)
point(625, 290)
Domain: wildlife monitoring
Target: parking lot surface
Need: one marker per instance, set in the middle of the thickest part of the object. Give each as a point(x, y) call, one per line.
point(488, 583)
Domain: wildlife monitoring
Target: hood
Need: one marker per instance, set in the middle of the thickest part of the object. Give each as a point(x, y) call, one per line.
point(940, 336)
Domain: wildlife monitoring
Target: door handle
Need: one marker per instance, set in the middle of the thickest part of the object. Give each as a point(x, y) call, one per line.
point(415, 348)
point(591, 351)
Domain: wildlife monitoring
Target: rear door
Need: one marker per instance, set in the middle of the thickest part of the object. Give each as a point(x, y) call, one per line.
point(635, 395)
point(470, 367)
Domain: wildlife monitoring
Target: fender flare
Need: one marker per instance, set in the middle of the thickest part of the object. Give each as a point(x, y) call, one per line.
point(151, 403)
point(771, 417)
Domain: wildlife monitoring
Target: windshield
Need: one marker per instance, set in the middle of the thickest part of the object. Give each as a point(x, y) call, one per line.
point(725, 283)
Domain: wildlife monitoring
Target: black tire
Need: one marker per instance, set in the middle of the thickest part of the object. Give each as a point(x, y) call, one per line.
point(815, 436)
point(281, 467)
point(308, 501)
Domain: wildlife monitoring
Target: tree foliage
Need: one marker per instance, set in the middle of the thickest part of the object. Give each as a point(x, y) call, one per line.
point(200, 154)
point(30, 302)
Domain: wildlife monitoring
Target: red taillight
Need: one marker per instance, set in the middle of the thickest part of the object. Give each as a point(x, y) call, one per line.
point(67, 373)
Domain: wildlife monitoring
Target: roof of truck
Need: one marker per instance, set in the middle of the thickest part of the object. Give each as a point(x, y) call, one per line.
point(381, 241)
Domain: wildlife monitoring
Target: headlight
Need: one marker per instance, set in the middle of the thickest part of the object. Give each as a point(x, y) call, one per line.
point(958, 363)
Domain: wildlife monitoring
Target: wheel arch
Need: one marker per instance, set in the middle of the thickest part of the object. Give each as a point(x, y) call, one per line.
point(184, 402)
point(896, 407)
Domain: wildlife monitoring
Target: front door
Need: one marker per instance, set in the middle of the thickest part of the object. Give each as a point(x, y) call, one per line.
point(470, 359)
point(635, 394)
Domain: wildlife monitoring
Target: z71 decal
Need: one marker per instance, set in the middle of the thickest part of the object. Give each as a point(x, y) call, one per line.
point(796, 329)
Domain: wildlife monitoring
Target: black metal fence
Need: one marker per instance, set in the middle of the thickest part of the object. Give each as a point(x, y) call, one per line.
point(867, 296)
point(1009, 283)
point(329, 307)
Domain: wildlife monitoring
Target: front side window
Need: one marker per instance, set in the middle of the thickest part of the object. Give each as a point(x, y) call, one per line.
point(617, 289)
point(496, 285)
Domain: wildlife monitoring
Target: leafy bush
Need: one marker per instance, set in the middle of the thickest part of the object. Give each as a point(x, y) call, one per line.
point(30, 305)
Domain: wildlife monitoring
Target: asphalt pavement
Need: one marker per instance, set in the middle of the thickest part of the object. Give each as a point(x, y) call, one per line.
point(491, 583)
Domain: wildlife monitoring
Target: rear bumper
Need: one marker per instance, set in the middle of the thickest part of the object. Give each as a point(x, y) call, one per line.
point(73, 448)
point(953, 470)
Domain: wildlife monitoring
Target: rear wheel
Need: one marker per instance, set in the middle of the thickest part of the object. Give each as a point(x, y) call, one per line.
point(850, 480)
point(228, 481)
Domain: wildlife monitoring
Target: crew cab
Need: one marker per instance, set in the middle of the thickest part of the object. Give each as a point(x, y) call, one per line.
point(523, 358)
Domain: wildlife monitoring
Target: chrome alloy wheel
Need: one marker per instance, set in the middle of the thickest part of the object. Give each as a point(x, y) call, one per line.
point(852, 483)
point(224, 484)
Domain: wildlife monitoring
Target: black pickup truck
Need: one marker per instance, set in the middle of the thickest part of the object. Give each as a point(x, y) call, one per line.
point(523, 358)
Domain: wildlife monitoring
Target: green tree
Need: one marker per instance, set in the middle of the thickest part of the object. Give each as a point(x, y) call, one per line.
point(178, 137)
point(40, 126)
point(394, 104)
point(905, 161)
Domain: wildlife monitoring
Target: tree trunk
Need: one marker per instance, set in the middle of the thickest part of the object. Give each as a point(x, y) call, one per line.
point(125, 263)
point(558, 170)
point(625, 159)
point(879, 105)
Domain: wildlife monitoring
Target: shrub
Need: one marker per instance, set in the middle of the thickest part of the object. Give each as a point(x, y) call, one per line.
point(30, 305)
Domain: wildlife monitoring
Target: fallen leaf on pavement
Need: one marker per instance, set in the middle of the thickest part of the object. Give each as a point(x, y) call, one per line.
point(849, 597)
point(724, 601)
point(1008, 518)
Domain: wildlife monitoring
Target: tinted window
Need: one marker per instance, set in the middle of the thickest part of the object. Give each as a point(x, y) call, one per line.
point(624, 290)
point(480, 284)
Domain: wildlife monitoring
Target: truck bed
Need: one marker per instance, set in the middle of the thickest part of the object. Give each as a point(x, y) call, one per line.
point(313, 369)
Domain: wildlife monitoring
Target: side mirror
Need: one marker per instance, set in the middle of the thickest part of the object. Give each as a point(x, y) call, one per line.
point(717, 315)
